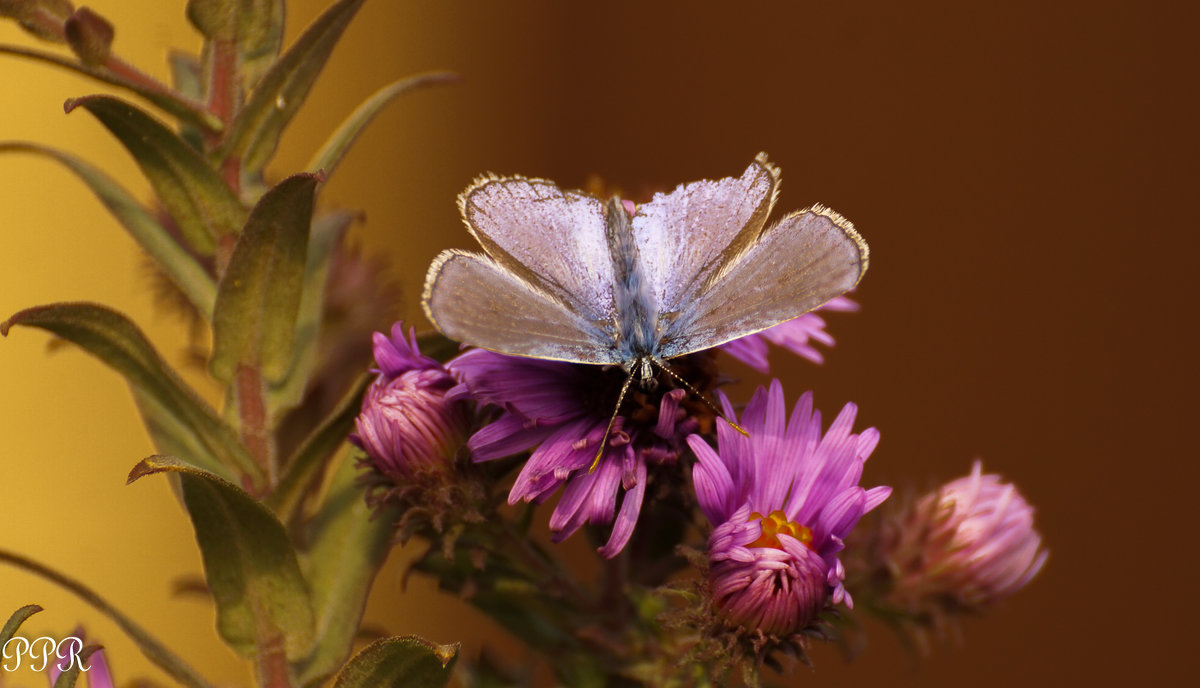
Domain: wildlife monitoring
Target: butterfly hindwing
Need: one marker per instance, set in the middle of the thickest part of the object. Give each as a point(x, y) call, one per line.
point(471, 298)
point(798, 264)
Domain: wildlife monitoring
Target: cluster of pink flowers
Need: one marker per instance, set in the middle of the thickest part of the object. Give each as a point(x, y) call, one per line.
point(781, 498)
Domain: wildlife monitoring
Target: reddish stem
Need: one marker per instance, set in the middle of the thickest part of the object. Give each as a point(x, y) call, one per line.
point(253, 412)
point(223, 91)
point(272, 661)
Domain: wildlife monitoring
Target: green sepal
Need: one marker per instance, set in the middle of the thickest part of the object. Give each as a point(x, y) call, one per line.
point(335, 147)
point(402, 662)
point(68, 678)
point(324, 239)
point(349, 543)
point(194, 194)
point(14, 622)
point(182, 268)
point(258, 299)
point(249, 563)
point(254, 133)
point(114, 339)
point(185, 109)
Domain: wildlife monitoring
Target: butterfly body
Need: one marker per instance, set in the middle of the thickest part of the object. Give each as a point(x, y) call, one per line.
point(638, 335)
point(565, 276)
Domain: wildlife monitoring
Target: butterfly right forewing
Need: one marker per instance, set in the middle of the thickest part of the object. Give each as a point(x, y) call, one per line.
point(685, 236)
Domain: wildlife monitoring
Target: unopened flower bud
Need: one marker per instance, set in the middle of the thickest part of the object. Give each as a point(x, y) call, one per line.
point(408, 428)
point(89, 35)
point(966, 545)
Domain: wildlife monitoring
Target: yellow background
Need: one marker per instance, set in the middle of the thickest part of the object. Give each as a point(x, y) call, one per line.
point(1024, 173)
point(70, 430)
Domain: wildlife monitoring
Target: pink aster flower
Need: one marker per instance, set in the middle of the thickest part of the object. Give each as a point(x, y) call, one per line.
point(781, 501)
point(797, 336)
point(407, 426)
point(970, 543)
point(560, 411)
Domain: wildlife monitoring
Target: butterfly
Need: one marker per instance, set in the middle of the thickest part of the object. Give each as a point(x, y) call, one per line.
point(567, 276)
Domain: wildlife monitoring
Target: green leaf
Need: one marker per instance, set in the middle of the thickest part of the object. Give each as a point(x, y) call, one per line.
point(255, 25)
point(192, 192)
point(258, 299)
point(335, 147)
point(326, 236)
point(349, 545)
point(407, 662)
point(249, 562)
point(68, 678)
point(254, 134)
point(14, 622)
point(160, 96)
point(316, 451)
point(183, 269)
point(114, 339)
point(150, 646)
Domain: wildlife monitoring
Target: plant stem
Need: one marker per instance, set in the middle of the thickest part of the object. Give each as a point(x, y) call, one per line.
point(253, 414)
point(271, 659)
point(223, 90)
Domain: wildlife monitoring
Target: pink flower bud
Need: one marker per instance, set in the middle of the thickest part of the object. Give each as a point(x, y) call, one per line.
point(970, 543)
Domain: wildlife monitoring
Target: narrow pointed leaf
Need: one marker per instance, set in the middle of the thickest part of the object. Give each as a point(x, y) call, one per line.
point(326, 236)
point(14, 622)
point(180, 266)
point(254, 134)
point(350, 542)
point(156, 94)
point(68, 678)
point(407, 662)
point(249, 562)
point(171, 436)
point(258, 300)
point(187, 77)
point(150, 646)
point(114, 339)
point(192, 192)
point(316, 451)
point(335, 147)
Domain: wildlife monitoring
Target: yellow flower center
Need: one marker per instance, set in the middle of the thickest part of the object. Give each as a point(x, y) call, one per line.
point(777, 523)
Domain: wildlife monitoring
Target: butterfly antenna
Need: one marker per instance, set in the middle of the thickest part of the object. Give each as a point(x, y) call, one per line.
point(696, 393)
point(611, 421)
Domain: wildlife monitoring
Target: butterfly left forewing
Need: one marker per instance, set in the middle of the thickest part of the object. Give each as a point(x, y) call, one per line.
point(549, 237)
point(797, 265)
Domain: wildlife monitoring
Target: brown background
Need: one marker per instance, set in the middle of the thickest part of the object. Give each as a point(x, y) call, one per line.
point(1020, 171)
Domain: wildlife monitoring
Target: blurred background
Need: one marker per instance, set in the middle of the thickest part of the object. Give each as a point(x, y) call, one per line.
point(1024, 173)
